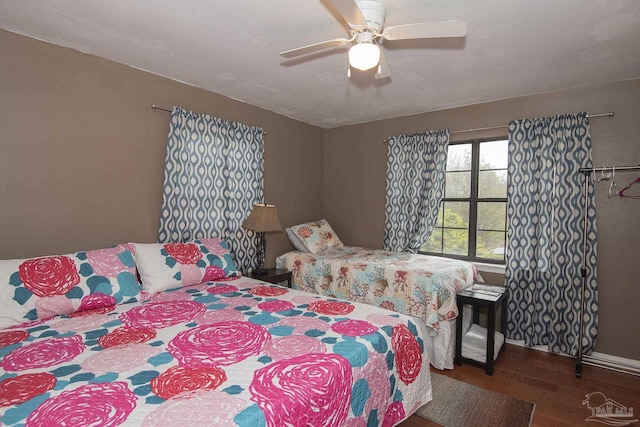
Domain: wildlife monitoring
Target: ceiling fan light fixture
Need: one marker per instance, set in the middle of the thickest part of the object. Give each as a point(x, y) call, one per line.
point(366, 26)
point(364, 56)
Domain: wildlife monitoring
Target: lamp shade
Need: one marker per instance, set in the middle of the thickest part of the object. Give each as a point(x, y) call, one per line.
point(263, 219)
point(364, 56)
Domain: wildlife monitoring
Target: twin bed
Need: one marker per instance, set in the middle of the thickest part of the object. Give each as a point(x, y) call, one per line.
point(421, 286)
point(83, 344)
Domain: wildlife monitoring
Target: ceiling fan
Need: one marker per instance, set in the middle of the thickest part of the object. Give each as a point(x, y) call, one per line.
point(366, 23)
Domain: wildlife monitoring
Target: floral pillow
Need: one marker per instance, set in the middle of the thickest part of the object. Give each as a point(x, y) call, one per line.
point(175, 265)
point(39, 288)
point(295, 240)
point(317, 236)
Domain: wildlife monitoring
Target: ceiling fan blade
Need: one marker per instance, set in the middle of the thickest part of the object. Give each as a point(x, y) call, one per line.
point(316, 47)
point(350, 12)
point(426, 30)
point(384, 70)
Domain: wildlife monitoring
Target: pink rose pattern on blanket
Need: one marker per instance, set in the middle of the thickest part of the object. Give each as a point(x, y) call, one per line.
point(284, 358)
point(189, 258)
point(107, 262)
point(47, 286)
point(104, 404)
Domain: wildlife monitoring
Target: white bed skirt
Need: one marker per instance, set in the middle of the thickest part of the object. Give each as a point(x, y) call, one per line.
point(441, 348)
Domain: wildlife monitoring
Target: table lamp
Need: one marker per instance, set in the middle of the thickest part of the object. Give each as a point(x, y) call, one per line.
point(262, 219)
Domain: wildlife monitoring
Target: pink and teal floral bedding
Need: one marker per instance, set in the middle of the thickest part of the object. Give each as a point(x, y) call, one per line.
point(233, 353)
point(165, 266)
point(418, 285)
point(39, 288)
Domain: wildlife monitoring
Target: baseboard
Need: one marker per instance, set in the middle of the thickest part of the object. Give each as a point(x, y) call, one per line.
point(600, 360)
point(615, 363)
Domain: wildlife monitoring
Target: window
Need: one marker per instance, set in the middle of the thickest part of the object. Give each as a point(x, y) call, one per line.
point(472, 221)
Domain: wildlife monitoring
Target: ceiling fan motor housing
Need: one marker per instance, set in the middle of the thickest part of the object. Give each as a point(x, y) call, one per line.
point(374, 13)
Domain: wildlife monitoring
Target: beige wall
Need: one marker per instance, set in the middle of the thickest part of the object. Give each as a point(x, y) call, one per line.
point(355, 167)
point(82, 152)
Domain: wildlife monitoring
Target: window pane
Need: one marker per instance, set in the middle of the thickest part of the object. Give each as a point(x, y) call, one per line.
point(459, 157)
point(490, 245)
point(494, 155)
point(483, 164)
point(456, 242)
point(435, 242)
point(440, 215)
point(456, 215)
point(491, 216)
point(492, 184)
point(458, 184)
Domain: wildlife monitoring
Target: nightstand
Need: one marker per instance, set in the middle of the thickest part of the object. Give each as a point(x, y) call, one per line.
point(274, 275)
point(482, 296)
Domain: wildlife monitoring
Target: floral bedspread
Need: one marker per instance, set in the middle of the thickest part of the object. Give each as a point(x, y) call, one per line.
point(237, 353)
point(419, 285)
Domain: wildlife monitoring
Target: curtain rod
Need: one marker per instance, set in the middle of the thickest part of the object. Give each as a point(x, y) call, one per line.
point(155, 107)
point(589, 116)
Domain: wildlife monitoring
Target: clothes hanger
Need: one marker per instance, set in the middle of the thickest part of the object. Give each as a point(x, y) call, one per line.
point(629, 196)
point(613, 188)
point(603, 176)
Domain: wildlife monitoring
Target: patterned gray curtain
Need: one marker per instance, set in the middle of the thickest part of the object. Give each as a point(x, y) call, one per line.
point(213, 177)
point(545, 217)
point(415, 184)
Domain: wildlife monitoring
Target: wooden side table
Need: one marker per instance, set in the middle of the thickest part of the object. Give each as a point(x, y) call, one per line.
point(274, 275)
point(483, 299)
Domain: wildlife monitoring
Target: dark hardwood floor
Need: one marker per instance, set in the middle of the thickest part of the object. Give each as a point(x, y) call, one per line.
point(549, 381)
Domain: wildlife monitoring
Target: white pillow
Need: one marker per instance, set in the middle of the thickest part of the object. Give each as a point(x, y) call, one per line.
point(175, 265)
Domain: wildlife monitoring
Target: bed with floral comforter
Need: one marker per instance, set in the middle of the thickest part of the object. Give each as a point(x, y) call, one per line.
point(418, 285)
point(421, 286)
point(234, 352)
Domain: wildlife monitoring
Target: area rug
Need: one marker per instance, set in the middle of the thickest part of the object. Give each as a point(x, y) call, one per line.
point(456, 403)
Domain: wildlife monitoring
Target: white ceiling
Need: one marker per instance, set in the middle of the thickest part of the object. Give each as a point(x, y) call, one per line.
point(231, 47)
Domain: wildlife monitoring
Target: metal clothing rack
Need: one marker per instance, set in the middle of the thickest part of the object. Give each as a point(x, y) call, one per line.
point(585, 187)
